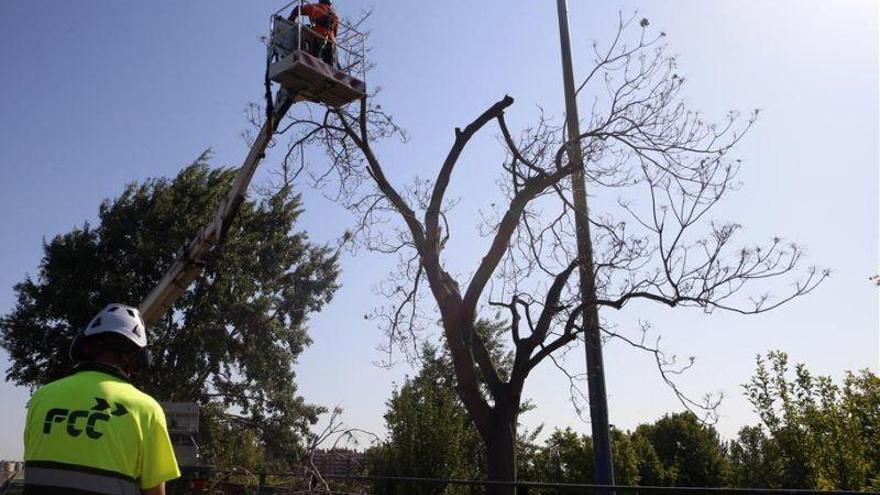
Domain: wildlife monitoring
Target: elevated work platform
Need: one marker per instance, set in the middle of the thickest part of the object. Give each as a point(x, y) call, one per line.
point(315, 68)
point(310, 78)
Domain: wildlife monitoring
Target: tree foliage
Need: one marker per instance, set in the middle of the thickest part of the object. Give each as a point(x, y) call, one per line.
point(430, 434)
point(676, 450)
point(813, 435)
point(813, 432)
point(691, 453)
point(565, 457)
point(823, 436)
point(234, 336)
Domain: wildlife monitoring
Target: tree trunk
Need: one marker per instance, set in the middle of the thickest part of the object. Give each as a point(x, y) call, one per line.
point(501, 453)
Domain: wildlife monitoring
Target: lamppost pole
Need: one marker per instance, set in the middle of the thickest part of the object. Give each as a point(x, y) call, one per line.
point(604, 470)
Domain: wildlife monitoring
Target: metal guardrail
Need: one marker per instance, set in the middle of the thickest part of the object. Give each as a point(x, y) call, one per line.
point(537, 487)
point(399, 485)
point(350, 48)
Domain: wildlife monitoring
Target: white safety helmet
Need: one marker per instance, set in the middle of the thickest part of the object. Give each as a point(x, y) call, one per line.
point(121, 319)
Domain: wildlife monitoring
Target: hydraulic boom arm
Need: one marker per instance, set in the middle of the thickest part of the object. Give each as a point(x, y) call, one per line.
point(188, 263)
point(303, 76)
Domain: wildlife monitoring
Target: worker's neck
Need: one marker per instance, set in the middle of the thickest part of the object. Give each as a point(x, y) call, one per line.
point(111, 362)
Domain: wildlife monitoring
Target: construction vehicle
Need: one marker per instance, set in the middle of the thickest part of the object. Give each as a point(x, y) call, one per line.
point(183, 428)
point(301, 76)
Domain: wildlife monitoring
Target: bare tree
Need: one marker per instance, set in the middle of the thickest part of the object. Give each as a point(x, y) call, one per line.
point(666, 166)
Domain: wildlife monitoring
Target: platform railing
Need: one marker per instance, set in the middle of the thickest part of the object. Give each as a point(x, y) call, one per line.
point(349, 50)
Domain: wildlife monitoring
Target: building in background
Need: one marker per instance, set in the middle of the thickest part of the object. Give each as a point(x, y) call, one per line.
point(339, 462)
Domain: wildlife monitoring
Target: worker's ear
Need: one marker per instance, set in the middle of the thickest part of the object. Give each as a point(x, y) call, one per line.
point(139, 363)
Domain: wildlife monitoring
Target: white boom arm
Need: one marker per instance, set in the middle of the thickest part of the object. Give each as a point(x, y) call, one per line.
point(188, 263)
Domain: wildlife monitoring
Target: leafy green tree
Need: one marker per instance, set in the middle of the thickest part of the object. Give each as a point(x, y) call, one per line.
point(430, 433)
point(227, 442)
point(860, 404)
point(781, 404)
point(566, 457)
point(651, 470)
point(625, 456)
point(691, 452)
point(231, 340)
point(755, 460)
point(427, 429)
point(818, 434)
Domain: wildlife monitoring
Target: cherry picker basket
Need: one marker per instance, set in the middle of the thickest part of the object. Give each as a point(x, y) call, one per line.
point(313, 67)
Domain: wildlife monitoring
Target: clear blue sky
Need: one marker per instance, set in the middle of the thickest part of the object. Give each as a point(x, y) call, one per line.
point(96, 94)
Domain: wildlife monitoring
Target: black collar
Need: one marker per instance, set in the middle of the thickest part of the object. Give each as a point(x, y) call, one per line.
point(102, 368)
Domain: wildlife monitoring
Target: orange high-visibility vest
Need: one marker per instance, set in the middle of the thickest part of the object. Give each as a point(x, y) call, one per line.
point(324, 19)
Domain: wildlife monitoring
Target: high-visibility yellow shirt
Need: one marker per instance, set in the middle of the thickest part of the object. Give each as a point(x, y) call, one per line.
point(94, 431)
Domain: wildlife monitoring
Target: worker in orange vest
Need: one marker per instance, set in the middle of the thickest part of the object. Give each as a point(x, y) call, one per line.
point(325, 22)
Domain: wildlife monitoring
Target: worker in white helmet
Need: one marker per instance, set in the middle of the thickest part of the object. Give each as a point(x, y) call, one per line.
point(93, 431)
